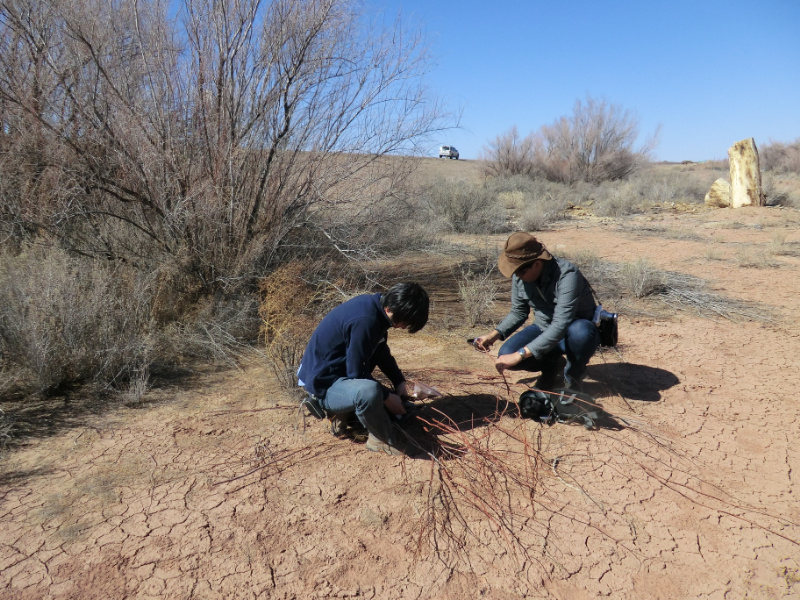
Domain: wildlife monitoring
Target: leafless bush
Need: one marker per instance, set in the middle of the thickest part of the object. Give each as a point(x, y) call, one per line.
point(221, 328)
point(746, 259)
point(537, 202)
point(779, 193)
point(478, 291)
point(508, 155)
point(207, 139)
point(658, 186)
point(71, 320)
point(6, 425)
point(594, 144)
point(462, 207)
point(781, 158)
point(617, 199)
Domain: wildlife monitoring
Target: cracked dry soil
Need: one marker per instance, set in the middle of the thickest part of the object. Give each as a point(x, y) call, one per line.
point(692, 493)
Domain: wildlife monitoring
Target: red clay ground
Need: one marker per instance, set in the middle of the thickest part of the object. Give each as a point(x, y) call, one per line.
point(690, 490)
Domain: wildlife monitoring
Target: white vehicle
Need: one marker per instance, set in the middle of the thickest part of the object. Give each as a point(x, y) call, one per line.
point(448, 152)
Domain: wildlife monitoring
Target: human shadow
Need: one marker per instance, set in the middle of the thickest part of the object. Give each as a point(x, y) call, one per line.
point(449, 415)
point(634, 382)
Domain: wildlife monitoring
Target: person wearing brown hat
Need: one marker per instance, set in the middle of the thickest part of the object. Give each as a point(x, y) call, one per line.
point(563, 306)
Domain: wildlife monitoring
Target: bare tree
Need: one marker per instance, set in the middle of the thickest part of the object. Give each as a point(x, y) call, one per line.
point(209, 138)
point(596, 143)
point(508, 154)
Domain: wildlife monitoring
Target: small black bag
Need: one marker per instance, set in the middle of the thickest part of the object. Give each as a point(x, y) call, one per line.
point(562, 406)
point(609, 333)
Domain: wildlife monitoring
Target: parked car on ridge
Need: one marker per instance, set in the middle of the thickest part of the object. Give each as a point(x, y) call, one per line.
point(448, 152)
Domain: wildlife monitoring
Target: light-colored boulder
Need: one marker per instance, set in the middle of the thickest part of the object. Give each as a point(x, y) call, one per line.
point(745, 174)
point(720, 194)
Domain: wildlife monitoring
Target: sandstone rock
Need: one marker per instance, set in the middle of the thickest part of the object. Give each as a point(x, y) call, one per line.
point(720, 194)
point(745, 174)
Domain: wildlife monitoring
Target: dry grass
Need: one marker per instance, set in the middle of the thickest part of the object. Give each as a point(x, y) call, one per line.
point(778, 245)
point(67, 320)
point(677, 291)
point(750, 259)
point(641, 278)
point(478, 291)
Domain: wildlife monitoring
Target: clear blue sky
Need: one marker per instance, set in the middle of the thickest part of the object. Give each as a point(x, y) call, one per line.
point(710, 72)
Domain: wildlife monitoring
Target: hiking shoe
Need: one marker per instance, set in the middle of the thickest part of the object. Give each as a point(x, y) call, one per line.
point(376, 445)
point(572, 383)
point(347, 425)
point(338, 426)
point(552, 375)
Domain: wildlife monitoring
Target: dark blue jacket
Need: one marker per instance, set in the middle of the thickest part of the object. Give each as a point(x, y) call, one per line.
point(349, 342)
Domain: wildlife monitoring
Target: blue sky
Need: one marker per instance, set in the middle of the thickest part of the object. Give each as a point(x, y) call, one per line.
point(709, 72)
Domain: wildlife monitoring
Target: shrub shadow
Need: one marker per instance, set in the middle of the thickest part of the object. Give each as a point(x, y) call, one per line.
point(77, 406)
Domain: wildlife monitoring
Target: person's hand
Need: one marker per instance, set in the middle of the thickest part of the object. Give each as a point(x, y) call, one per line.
point(402, 390)
point(394, 404)
point(485, 341)
point(506, 361)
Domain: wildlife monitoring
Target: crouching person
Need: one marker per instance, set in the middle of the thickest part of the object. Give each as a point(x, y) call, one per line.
point(345, 348)
point(563, 306)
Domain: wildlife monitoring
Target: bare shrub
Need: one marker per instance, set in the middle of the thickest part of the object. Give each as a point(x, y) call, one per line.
point(641, 278)
point(617, 199)
point(511, 200)
point(659, 186)
point(206, 139)
point(508, 155)
point(537, 202)
point(781, 158)
point(66, 320)
point(221, 328)
point(778, 192)
point(288, 319)
point(746, 259)
point(462, 207)
point(478, 292)
point(6, 425)
point(594, 144)
point(546, 205)
point(778, 245)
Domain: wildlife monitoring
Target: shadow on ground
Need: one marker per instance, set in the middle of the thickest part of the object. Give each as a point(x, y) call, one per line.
point(76, 406)
point(634, 382)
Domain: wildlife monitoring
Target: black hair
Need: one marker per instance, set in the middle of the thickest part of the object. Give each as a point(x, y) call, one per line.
point(409, 304)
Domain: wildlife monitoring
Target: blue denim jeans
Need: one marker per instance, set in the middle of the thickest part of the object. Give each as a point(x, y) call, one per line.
point(581, 341)
point(365, 398)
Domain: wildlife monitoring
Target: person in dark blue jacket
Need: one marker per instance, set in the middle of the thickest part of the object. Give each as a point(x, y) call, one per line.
point(344, 350)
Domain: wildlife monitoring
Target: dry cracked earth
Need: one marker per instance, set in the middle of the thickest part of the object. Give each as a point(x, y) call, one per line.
point(688, 489)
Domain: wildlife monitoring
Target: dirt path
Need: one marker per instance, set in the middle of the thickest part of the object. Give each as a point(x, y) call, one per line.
point(690, 488)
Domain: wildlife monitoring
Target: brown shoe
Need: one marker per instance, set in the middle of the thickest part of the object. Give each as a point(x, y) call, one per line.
point(376, 445)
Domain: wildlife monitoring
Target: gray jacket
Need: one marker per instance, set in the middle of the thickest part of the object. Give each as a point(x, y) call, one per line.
point(560, 296)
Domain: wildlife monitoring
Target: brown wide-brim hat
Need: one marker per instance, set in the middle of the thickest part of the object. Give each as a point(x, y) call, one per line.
point(521, 249)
